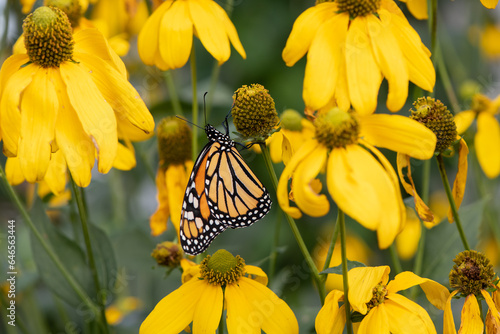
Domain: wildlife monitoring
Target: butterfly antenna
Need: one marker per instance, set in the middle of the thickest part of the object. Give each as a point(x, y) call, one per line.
point(205, 107)
point(187, 121)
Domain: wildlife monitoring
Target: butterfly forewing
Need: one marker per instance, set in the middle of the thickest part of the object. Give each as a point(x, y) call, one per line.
point(222, 192)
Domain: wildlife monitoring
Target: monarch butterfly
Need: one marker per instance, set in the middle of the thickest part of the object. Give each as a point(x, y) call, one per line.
point(222, 192)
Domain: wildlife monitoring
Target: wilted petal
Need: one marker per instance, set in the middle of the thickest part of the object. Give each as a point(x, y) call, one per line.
point(458, 190)
point(471, 317)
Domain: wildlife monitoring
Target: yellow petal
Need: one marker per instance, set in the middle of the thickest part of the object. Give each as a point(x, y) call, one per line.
point(487, 144)
point(209, 29)
point(230, 29)
point(256, 274)
point(129, 131)
point(158, 220)
point(149, 38)
point(176, 35)
point(362, 280)
point(76, 146)
point(390, 58)
point(407, 316)
point(399, 134)
point(436, 293)
point(175, 311)
point(12, 90)
point(94, 112)
point(39, 107)
point(419, 64)
point(363, 73)
point(286, 148)
point(331, 319)
point(463, 120)
point(418, 8)
point(408, 240)
point(309, 201)
point(282, 191)
point(493, 307)
point(304, 29)
point(489, 3)
point(448, 322)
point(13, 171)
point(360, 186)
point(458, 190)
point(471, 317)
point(267, 311)
point(125, 157)
point(208, 311)
point(376, 321)
point(323, 61)
point(118, 92)
point(177, 178)
point(56, 173)
point(403, 161)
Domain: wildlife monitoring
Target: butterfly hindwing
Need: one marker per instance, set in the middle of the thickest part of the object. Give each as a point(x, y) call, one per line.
point(222, 192)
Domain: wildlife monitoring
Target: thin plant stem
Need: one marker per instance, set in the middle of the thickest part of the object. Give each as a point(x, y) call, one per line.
point(419, 257)
point(446, 81)
point(432, 4)
point(396, 263)
point(174, 97)
point(194, 142)
point(46, 246)
point(454, 211)
point(80, 202)
point(293, 226)
point(274, 252)
point(329, 255)
point(345, 280)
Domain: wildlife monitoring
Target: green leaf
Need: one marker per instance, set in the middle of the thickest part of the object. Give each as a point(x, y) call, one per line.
point(338, 269)
point(104, 257)
point(69, 253)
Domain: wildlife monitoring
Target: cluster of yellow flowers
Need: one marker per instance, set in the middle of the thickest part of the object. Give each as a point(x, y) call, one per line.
point(66, 103)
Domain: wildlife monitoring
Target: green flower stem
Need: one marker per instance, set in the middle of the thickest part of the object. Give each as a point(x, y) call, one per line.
point(345, 280)
point(419, 258)
point(194, 142)
point(46, 246)
point(174, 97)
point(446, 81)
point(396, 263)
point(454, 211)
point(274, 249)
point(328, 257)
point(80, 202)
point(432, 5)
point(314, 271)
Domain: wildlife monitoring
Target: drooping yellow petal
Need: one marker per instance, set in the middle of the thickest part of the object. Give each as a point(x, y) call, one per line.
point(118, 92)
point(360, 185)
point(174, 312)
point(394, 215)
point(56, 177)
point(208, 311)
point(177, 178)
point(331, 318)
point(75, 144)
point(10, 114)
point(39, 108)
point(436, 293)
point(94, 112)
point(209, 29)
point(256, 274)
point(158, 220)
point(463, 120)
point(420, 66)
point(458, 190)
point(304, 29)
point(398, 133)
point(471, 317)
point(13, 171)
point(407, 316)
point(390, 58)
point(362, 280)
point(448, 322)
point(282, 191)
point(323, 61)
point(487, 144)
point(363, 73)
point(149, 38)
point(230, 29)
point(176, 35)
point(376, 321)
point(489, 3)
point(267, 311)
point(408, 239)
point(494, 307)
point(125, 158)
point(403, 161)
point(308, 200)
point(418, 8)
